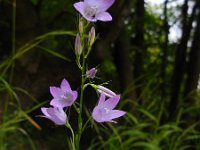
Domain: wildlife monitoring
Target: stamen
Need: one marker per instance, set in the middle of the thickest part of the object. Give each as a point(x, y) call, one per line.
point(91, 11)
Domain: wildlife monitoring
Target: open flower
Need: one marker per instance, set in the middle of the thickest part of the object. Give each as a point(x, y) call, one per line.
point(104, 111)
point(93, 10)
point(57, 115)
point(63, 96)
point(91, 73)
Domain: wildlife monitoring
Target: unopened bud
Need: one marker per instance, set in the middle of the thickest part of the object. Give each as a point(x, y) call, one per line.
point(81, 26)
point(106, 91)
point(91, 73)
point(92, 36)
point(78, 45)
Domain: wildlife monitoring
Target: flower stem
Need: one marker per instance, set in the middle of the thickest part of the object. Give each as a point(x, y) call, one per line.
point(80, 121)
point(69, 127)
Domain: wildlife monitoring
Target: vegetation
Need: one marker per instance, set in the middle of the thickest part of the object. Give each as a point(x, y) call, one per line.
point(156, 73)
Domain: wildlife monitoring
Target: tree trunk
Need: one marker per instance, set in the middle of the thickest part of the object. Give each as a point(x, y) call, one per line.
point(193, 69)
point(138, 42)
point(164, 52)
point(180, 59)
point(124, 67)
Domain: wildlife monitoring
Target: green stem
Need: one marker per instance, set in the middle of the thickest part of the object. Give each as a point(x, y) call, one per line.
point(69, 127)
point(80, 121)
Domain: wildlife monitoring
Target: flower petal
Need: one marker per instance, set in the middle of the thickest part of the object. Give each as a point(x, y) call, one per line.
point(75, 95)
point(44, 111)
point(112, 115)
point(104, 16)
point(80, 7)
point(60, 103)
point(103, 5)
point(55, 92)
point(111, 102)
point(58, 116)
point(101, 100)
point(96, 114)
point(65, 85)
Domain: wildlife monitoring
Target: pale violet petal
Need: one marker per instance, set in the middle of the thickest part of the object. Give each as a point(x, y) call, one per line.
point(102, 5)
point(57, 116)
point(113, 114)
point(97, 115)
point(55, 92)
point(111, 102)
point(60, 103)
point(44, 111)
point(75, 95)
point(104, 16)
point(80, 7)
point(65, 85)
point(105, 4)
point(101, 100)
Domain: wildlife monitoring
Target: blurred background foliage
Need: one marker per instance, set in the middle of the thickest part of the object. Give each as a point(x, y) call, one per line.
point(148, 53)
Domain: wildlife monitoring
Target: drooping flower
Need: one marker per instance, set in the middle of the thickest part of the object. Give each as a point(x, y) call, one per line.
point(63, 96)
point(93, 10)
point(91, 73)
point(105, 112)
point(101, 89)
point(57, 115)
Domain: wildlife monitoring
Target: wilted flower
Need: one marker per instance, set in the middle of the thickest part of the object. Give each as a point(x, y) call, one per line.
point(104, 111)
point(91, 73)
point(57, 115)
point(63, 96)
point(93, 10)
point(78, 45)
point(106, 91)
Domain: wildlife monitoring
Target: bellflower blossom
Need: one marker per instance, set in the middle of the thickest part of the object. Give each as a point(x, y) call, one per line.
point(57, 115)
point(63, 96)
point(105, 112)
point(93, 10)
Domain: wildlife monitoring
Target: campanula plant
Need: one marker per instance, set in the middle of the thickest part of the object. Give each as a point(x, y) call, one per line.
point(64, 97)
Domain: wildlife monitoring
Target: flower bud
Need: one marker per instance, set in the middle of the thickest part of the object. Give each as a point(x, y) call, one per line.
point(91, 73)
point(106, 91)
point(78, 45)
point(81, 26)
point(92, 36)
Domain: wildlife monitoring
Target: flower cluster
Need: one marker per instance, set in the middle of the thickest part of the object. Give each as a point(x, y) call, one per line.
point(63, 96)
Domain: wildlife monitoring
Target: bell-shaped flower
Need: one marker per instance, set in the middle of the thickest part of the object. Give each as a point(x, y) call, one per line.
point(91, 73)
point(63, 96)
point(93, 10)
point(57, 115)
point(105, 112)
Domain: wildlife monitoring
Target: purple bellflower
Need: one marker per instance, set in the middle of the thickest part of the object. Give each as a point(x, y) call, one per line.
point(93, 10)
point(57, 115)
point(105, 112)
point(63, 96)
point(91, 73)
